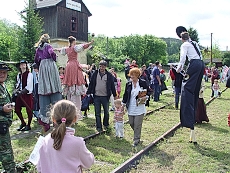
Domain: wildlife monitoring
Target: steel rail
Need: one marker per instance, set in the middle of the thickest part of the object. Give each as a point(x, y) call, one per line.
point(134, 160)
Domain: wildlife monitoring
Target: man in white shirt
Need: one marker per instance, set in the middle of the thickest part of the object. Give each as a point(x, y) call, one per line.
point(192, 82)
point(24, 98)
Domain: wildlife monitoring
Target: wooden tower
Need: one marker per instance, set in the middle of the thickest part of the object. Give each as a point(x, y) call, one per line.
point(64, 18)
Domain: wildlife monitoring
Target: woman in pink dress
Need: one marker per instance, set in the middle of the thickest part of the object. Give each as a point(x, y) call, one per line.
point(74, 82)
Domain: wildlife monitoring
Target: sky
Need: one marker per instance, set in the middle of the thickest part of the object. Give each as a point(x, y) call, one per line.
point(117, 18)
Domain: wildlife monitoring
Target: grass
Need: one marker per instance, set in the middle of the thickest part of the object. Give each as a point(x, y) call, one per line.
point(210, 155)
point(171, 155)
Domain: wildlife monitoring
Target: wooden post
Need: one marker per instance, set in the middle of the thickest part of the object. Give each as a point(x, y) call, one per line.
point(211, 47)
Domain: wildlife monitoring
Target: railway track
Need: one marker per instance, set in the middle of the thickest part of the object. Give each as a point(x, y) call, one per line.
point(87, 138)
point(23, 165)
point(134, 160)
point(148, 113)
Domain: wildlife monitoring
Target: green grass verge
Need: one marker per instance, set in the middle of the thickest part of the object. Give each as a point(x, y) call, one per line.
point(172, 155)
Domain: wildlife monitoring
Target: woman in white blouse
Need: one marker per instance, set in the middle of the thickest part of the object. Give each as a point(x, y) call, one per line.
point(135, 105)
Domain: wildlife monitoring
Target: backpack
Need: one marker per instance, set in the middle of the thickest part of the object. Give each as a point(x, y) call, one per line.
point(162, 77)
point(85, 103)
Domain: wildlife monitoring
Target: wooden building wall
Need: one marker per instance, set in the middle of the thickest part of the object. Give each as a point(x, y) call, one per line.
point(64, 24)
point(58, 21)
point(50, 21)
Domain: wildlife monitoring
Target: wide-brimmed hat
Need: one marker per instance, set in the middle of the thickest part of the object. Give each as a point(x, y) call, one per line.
point(3, 66)
point(21, 61)
point(180, 29)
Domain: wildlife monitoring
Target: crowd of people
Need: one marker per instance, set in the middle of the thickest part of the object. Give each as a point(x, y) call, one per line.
point(54, 95)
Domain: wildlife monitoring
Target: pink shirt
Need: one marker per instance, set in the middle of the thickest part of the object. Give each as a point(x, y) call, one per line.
point(118, 115)
point(71, 158)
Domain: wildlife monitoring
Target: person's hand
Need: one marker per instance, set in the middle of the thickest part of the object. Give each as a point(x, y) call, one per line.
point(57, 49)
point(143, 98)
point(18, 93)
point(178, 70)
point(90, 95)
point(7, 108)
point(122, 107)
point(24, 91)
point(160, 83)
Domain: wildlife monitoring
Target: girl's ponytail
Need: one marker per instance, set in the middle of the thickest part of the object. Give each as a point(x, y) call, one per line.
point(64, 113)
point(58, 134)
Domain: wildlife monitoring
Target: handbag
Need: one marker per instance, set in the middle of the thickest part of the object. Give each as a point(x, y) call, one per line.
point(3, 128)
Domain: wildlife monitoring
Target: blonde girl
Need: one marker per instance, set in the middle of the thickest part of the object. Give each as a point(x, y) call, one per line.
point(61, 150)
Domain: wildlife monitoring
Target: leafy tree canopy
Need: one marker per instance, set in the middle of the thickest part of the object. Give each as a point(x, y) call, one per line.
point(193, 34)
point(143, 49)
point(29, 33)
point(226, 58)
point(8, 41)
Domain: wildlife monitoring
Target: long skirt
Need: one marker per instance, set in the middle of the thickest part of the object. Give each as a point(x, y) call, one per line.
point(73, 74)
point(201, 114)
point(49, 80)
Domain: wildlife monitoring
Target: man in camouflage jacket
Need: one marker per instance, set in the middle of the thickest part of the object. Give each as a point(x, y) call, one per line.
point(6, 151)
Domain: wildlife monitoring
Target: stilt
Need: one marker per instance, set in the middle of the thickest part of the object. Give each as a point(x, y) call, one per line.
point(192, 137)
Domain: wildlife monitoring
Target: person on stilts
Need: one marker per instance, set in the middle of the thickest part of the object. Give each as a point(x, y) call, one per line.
point(192, 80)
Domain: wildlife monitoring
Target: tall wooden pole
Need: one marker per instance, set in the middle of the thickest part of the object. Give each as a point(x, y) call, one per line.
point(211, 47)
point(107, 46)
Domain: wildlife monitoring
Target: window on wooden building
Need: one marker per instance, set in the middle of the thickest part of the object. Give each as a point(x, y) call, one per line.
point(74, 24)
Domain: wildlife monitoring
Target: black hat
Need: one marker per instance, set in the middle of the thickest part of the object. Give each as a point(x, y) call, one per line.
point(103, 62)
point(3, 66)
point(180, 29)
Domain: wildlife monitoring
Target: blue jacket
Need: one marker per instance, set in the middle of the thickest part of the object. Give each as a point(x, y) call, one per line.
point(110, 87)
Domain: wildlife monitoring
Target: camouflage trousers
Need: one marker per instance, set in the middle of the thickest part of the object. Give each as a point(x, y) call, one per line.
point(6, 153)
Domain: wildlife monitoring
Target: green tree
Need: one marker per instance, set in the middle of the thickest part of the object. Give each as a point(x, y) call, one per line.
point(8, 41)
point(30, 32)
point(193, 34)
point(173, 58)
point(173, 45)
point(145, 49)
point(226, 59)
